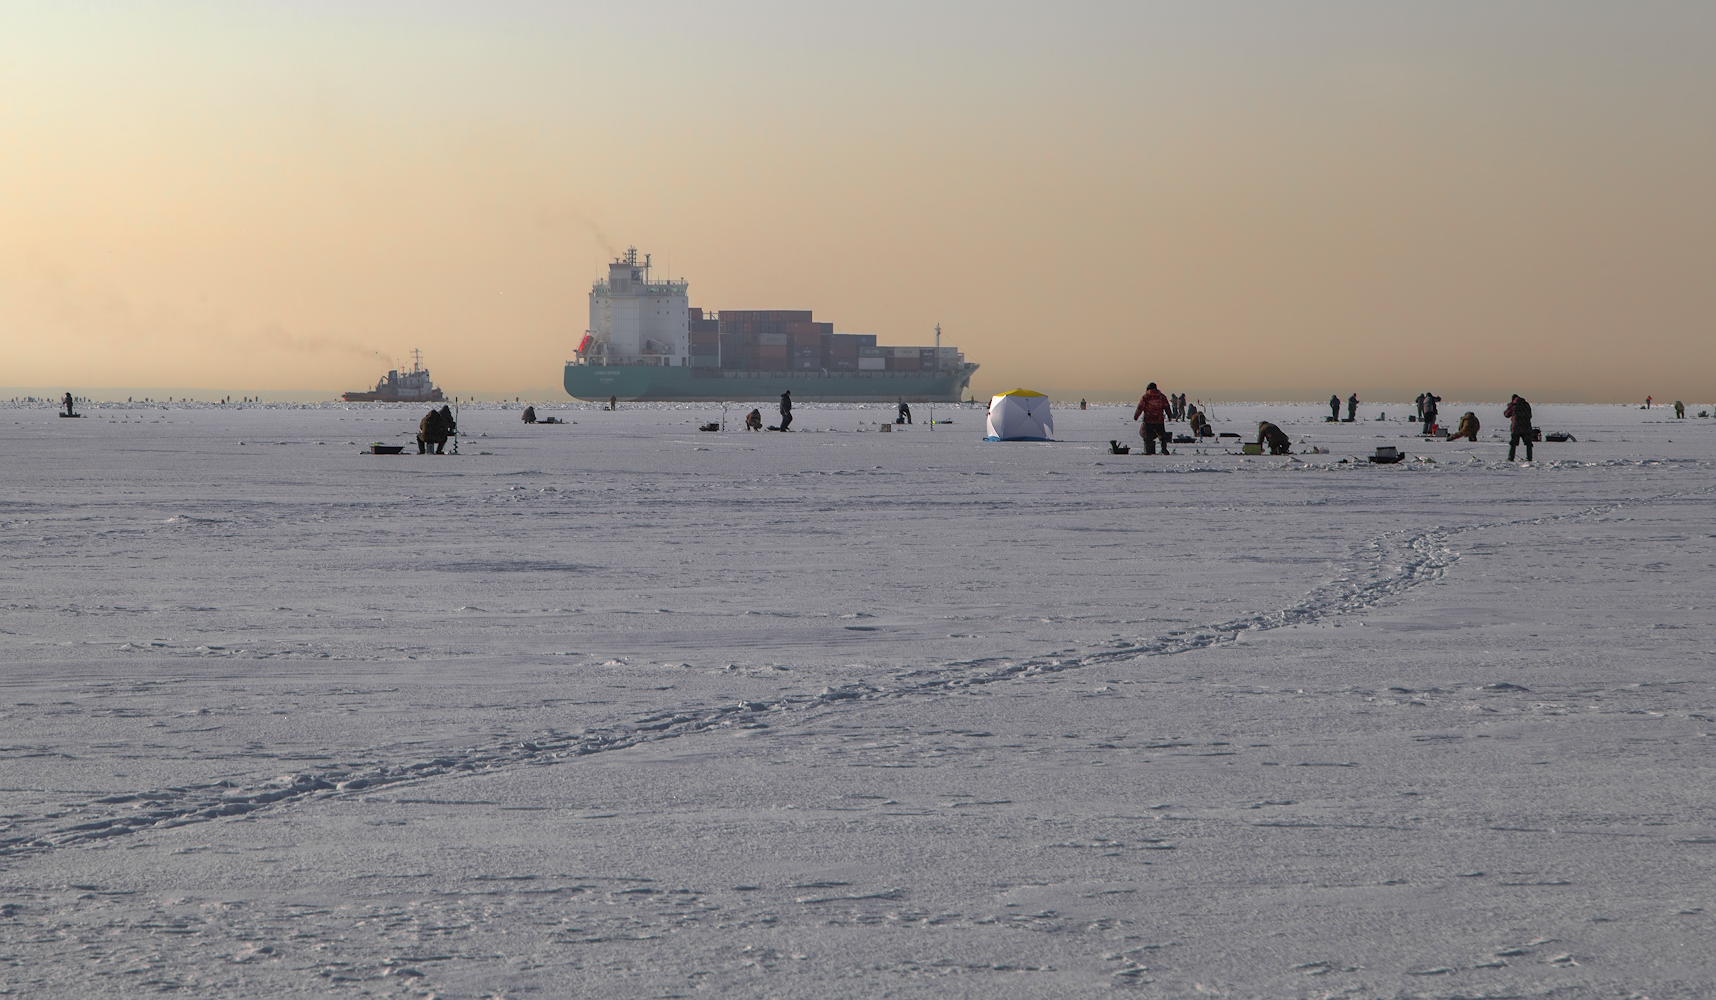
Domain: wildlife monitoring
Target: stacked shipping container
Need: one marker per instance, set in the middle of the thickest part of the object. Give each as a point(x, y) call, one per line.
point(789, 340)
point(705, 335)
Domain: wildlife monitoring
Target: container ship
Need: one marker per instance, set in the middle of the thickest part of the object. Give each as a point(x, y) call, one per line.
point(646, 342)
point(401, 387)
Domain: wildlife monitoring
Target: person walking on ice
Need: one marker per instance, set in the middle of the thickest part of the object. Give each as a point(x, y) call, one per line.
point(1520, 411)
point(1153, 407)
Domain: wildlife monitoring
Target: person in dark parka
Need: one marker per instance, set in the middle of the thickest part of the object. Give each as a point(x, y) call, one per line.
point(434, 430)
point(530, 414)
point(1334, 407)
point(1274, 437)
point(1519, 411)
point(786, 409)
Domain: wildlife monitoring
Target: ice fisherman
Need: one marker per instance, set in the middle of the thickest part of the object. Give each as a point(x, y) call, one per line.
point(754, 420)
point(434, 430)
point(1352, 407)
point(1334, 407)
point(903, 415)
point(1520, 411)
point(613, 402)
point(1468, 428)
point(1430, 401)
point(786, 409)
point(530, 414)
point(1679, 410)
point(1153, 407)
point(67, 402)
point(1274, 437)
point(1200, 424)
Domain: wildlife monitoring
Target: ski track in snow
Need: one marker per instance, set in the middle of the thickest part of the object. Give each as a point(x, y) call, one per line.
point(1382, 569)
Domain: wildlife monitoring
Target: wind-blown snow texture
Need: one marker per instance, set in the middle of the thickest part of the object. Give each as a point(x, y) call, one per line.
point(619, 708)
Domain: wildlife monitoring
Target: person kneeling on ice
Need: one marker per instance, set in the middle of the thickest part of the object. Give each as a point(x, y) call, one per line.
point(1200, 424)
point(754, 420)
point(1153, 407)
point(1274, 437)
point(1468, 428)
point(434, 430)
point(530, 414)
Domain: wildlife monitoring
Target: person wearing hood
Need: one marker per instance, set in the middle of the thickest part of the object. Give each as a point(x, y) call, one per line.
point(1520, 430)
point(786, 409)
point(1199, 424)
point(1468, 428)
point(1153, 407)
point(1352, 407)
point(434, 430)
point(1274, 437)
point(1334, 408)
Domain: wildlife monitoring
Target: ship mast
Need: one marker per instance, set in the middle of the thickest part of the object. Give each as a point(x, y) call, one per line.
point(417, 358)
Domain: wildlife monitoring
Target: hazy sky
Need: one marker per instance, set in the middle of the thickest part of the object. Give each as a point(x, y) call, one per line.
point(1233, 199)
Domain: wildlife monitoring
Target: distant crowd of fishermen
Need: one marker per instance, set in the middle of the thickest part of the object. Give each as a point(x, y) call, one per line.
point(1154, 411)
point(1156, 408)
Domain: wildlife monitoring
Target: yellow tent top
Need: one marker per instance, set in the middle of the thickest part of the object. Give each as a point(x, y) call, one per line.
point(1019, 392)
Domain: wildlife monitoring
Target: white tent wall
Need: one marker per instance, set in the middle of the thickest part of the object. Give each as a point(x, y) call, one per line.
point(1020, 415)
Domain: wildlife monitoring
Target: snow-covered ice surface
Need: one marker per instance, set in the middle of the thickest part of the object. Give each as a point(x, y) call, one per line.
point(623, 709)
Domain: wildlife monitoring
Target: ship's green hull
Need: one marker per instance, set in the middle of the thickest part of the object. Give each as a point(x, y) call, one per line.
point(648, 383)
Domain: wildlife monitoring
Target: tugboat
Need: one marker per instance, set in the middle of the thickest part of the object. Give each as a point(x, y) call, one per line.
point(401, 387)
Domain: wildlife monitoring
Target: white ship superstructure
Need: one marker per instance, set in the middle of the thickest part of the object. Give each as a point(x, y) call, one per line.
point(636, 321)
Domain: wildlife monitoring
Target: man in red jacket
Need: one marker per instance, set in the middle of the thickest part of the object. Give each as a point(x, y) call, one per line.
point(1153, 407)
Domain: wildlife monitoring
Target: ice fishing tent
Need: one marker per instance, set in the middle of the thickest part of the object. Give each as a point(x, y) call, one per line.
point(1021, 415)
